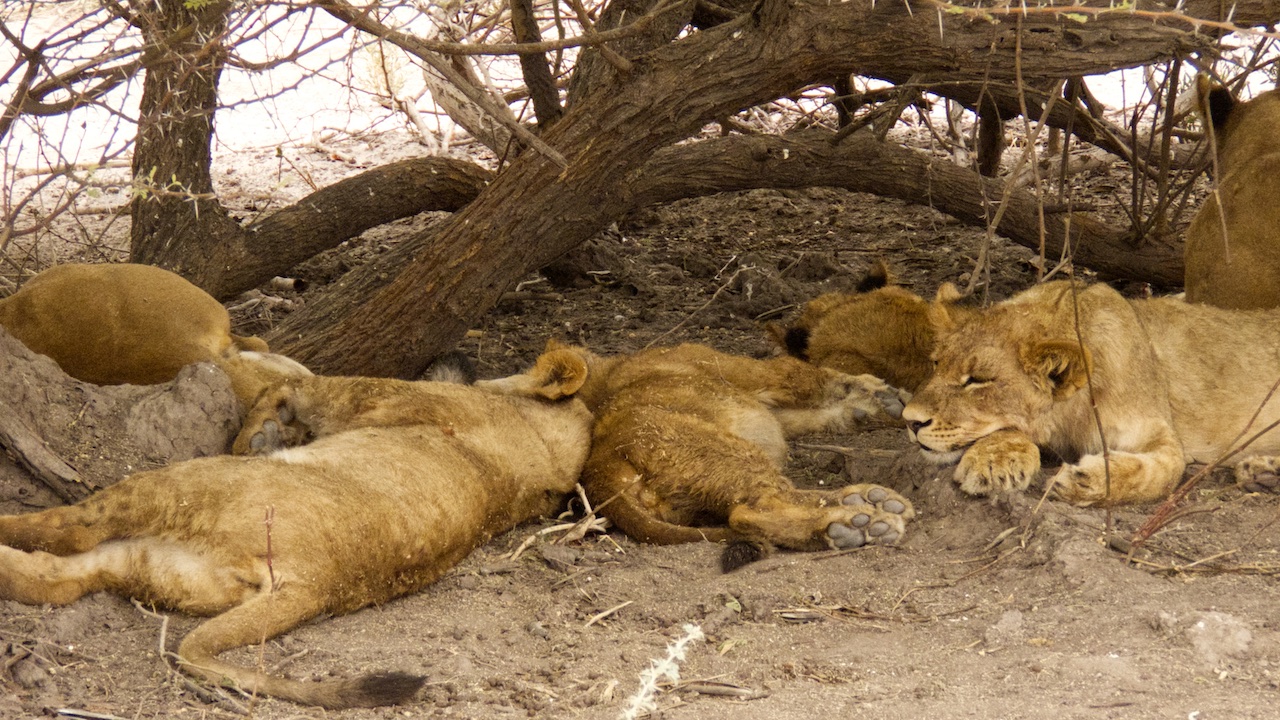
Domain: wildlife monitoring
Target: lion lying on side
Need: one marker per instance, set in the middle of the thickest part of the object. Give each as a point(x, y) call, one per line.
point(403, 481)
point(689, 445)
point(111, 324)
point(1242, 269)
point(1172, 382)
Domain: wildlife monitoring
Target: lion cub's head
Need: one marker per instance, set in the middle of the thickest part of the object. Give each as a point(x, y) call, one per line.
point(999, 369)
point(881, 329)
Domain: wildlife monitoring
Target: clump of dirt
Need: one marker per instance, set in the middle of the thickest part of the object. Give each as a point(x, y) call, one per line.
point(102, 433)
point(1010, 607)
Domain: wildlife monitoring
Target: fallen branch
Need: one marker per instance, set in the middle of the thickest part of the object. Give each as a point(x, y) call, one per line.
point(30, 451)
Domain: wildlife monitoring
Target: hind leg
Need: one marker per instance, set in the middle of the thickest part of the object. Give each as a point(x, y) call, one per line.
point(815, 520)
point(60, 531)
point(149, 569)
point(37, 578)
point(264, 616)
point(620, 492)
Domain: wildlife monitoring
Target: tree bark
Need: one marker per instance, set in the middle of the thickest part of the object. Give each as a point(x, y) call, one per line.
point(341, 211)
point(592, 70)
point(863, 164)
point(537, 74)
point(536, 211)
point(178, 222)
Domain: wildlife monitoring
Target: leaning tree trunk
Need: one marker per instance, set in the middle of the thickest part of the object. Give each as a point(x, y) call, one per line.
point(537, 210)
point(177, 220)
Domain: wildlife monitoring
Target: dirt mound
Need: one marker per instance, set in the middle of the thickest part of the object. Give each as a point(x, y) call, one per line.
point(84, 437)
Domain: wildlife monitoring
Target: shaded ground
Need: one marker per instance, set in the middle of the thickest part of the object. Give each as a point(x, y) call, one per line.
point(986, 610)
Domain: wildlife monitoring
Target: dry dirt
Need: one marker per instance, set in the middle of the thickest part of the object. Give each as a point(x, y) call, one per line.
point(1009, 609)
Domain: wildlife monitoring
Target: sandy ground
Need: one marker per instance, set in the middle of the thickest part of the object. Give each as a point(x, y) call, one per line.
point(1006, 609)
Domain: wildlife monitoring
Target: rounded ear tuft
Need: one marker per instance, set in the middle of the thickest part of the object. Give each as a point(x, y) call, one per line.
point(562, 372)
point(876, 278)
point(1060, 366)
point(948, 293)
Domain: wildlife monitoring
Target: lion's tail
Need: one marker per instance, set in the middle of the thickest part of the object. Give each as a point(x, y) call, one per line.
point(267, 615)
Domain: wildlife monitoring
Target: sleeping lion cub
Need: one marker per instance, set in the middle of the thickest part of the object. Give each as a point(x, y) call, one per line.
point(689, 445)
point(1172, 382)
point(401, 482)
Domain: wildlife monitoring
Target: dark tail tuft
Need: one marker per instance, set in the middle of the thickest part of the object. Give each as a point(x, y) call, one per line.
point(452, 367)
point(796, 340)
point(742, 552)
point(385, 688)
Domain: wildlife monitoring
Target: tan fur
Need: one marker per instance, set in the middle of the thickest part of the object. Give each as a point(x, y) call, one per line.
point(1242, 269)
point(689, 444)
point(1172, 382)
point(883, 332)
point(401, 482)
point(111, 324)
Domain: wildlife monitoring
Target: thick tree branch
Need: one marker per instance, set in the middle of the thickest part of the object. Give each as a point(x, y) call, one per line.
point(862, 164)
point(536, 210)
point(329, 216)
point(537, 74)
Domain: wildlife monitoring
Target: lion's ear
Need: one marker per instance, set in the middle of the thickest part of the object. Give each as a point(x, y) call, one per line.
point(877, 277)
point(1060, 366)
point(560, 373)
point(941, 315)
point(1214, 102)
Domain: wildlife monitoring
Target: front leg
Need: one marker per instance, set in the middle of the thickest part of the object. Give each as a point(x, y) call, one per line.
point(843, 402)
point(1000, 462)
point(273, 423)
point(298, 410)
point(1121, 477)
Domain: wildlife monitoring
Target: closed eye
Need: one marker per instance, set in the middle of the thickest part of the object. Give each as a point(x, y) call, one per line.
point(973, 381)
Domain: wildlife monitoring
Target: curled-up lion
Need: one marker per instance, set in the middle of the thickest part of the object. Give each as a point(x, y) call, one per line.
point(880, 329)
point(689, 445)
point(1171, 382)
point(401, 482)
point(117, 323)
point(1233, 243)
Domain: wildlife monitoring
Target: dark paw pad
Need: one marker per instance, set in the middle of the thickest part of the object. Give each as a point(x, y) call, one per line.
point(1263, 482)
point(266, 439)
point(891, 400)
point(845, 537)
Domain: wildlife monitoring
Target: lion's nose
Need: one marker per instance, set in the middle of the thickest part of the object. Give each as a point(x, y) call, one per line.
point(917, 425)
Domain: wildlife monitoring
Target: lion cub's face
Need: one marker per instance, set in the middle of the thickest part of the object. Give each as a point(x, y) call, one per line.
point(993, 371)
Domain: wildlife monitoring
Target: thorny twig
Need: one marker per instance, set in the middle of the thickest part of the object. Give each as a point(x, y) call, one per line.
point(589, 522)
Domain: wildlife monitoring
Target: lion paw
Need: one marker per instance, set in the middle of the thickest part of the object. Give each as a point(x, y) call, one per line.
point(1259, 474)
point(1083, 484)
point(267, 429)
point(867, 395)
point(1000, 462)
point(876, 515)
